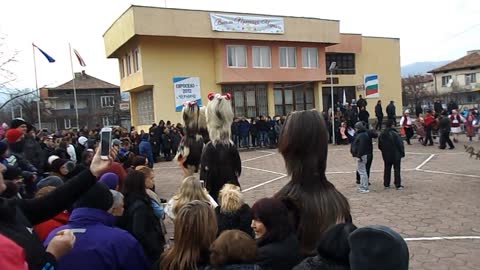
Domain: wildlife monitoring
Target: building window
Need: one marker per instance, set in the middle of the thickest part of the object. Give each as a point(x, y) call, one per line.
point(122, 67)
point(128, 58)
point(136, 60)
point(345, 62)
point(107, 101)
point(288, 57)
point(261, 57)
point(290, 98)
point(106, 121)
point(67, 123)
point(248, 100)
point(470, 78)
point(310, 57)
point(446, 80)
point(144, 107)
point(236, 56)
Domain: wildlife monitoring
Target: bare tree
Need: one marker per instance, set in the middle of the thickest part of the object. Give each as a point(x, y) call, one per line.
point(7, 57)
point(415, 90)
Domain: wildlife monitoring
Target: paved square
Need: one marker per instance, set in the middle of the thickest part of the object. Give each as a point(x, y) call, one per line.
point(438, 212)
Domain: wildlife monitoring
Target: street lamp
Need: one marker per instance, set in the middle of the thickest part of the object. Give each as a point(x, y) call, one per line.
point(331, 69)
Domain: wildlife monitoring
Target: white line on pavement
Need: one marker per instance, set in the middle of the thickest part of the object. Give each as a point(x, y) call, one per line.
point(262, 170)
point(449, 173)
point(425, 162)
point(442, 238)
point(255, 158)
point(264, 183)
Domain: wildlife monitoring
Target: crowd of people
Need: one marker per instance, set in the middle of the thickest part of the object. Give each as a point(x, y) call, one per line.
point(64, 207)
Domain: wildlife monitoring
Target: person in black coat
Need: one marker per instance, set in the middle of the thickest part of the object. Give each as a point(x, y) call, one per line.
point(437, 107)
point(139, 218)
point(278, 246)
point(233, 212)
point(167, 143)
point(391, 145)
point(363, 116)
point(379, 115)
point(333, 250)
point(253, 131)
point(361, 103)
point(365, 147)
point(176, 138)
point(18, 216)
point(444, 125)
point(391, 114)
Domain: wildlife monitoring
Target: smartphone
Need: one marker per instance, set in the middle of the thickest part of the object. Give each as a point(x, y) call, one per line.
point(105, 142)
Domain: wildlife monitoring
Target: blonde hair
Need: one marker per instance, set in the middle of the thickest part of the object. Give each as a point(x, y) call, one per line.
point(230, 198)
point(195, 230)
point(44, 191)
point(190, 190)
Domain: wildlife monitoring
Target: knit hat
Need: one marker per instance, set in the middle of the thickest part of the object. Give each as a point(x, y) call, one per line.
point(58, 163)
point(51, 181)
point(98, 197)
point(407, 111)
point(17, 122)
point(116, 142)
point(83, 141)
point(110, 180)
point(377, 248)
point(52, 158)
point(13, 135)
point(3, 148)
point(359, 125)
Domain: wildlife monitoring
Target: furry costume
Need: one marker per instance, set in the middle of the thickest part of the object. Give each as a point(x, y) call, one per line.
point(191, 146)
point(220, 162)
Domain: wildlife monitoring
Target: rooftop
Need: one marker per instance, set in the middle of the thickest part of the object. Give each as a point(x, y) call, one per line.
point(471, 60)
point(85, 81)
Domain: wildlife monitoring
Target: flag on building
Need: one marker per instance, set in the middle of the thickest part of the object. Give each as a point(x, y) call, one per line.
point(49, 58)
point(79, 58)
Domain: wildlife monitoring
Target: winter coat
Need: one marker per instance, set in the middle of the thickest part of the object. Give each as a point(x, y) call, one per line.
point(100, 245)
point(281, 255)
point(319, 263)
point(262, 126)
point(13, 256)
point(235, 131)
point(378, 110)
point(61, 153)
point(391, 110)
point(145, 148)
point(79, 149)
point(444, 124)
point(253, 130)
point(44, 228)
point(176, 138)
point(361, 103)
point(278, 128)
point(243, 128)
point(34, 154)
point(140, 220)
point(17, 217)
point(167, 142)
point(391, 145)
point(238, 220)
point(437, 106)
point(362, 144)
point(363, 116)
point(220, 164)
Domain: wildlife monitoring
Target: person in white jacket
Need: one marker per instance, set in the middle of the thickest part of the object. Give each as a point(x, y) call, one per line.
point(406, 124)
point(71, 151)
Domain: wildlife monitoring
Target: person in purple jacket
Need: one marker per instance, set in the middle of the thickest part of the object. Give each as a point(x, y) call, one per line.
point(99, 245)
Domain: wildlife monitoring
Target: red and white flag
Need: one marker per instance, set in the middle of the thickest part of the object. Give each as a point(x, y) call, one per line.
point(80, 59)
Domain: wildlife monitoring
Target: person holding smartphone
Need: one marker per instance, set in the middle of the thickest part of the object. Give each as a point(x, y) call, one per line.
point(17, 216)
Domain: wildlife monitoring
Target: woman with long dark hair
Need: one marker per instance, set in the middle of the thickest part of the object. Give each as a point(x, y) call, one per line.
point(278, 247)
point(139, 218)
point(313, 202)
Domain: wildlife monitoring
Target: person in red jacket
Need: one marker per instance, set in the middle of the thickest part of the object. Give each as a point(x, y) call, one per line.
point(13, 256)
point(428, 120)
point(44, 228)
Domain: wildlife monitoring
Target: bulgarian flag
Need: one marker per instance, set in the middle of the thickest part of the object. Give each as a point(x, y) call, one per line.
point(79, 58)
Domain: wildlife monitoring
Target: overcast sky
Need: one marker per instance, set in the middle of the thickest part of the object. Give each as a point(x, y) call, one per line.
point(429, 30)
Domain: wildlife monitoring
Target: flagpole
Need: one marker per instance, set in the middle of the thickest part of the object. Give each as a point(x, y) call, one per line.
point(74, 88)
point(36, 86)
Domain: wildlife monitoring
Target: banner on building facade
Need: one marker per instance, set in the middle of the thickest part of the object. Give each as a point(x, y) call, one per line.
point(247, 23)
point(371, 85)
point(186, 89)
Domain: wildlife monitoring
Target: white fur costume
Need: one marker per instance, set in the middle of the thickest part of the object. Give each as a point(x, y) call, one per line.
point(220, 162)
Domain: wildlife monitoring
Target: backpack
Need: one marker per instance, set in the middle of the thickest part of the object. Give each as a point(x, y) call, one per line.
point(355, 146)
